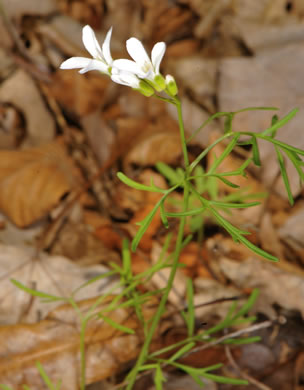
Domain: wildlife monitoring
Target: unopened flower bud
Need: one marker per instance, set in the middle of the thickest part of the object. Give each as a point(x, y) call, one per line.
point(171, 85)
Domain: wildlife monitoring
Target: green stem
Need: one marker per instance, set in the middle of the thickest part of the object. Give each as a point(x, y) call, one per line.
point(82, 354)
point(182, 132)
point(178, 248)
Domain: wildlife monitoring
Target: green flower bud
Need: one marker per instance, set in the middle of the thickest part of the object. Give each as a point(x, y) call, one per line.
point(171, 85)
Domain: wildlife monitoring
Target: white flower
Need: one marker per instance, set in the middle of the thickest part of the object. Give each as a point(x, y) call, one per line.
point(142, 66)
point(102, 59)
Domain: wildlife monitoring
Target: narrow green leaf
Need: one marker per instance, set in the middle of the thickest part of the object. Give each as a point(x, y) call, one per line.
point(248, 304)
point(207, 150)
point(233, 205)
point(146, 367)
point(190, 309)
point(163, 216)
point(245, 340)
point(237, 234)
point(228, 123)
point(257, 108)
point(117, 326)
point(168, 172)
point(199, 177)
point(36, 293)
point(186, 348)
point(144, 224)
point(256, 152)
point(5, 387)
point(225, 153)
point(284, 175)
point(44, 376)
point(186, 213)
point(280, 122)
point(281, 144)
point(296, 161)
point(244, 320)
point(93, 280)
point(224, 379)
point(226, 181)
point(138, 186)
point(196, 379)
point(225, 323)
point(126, 259)
point(206, 122)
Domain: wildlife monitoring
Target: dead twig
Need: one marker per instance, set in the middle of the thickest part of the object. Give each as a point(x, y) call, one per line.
point(250, 329)
point(242, 373)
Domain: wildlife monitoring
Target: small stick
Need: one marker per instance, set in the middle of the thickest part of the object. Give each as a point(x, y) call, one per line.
point(250, 379)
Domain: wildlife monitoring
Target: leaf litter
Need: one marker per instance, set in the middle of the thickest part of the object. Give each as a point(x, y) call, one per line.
point(226, 56)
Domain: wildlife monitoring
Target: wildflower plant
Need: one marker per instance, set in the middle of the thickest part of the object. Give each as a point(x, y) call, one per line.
point(142, 73)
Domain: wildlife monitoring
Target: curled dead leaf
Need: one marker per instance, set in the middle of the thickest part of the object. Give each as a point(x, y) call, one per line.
point(33, 181)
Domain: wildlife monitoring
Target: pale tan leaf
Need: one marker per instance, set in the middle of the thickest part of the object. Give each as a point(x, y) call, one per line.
point(54, 342)
point(21, 91)
point(55, 275)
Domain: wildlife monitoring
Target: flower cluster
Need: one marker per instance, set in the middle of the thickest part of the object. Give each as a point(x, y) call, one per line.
point(141, 74)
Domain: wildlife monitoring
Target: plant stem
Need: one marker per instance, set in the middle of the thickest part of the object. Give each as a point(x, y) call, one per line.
point(178, 248)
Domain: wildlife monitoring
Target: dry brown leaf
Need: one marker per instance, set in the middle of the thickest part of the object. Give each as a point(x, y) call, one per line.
point(21, 91)
point(270, 80)
point(16, 9)
point(276, 285)
point(55, 275)
point(82, 95)
point(54, 342)
point(33, 181)
point(150, 143)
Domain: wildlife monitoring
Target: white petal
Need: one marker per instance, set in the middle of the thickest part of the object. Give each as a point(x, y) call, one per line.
point(75, 63)
point(157, 54)
point(106, 48)
point(90, 42)
point(126, 78)
point(129, 66)
point(95, 65)
point(137, 51)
